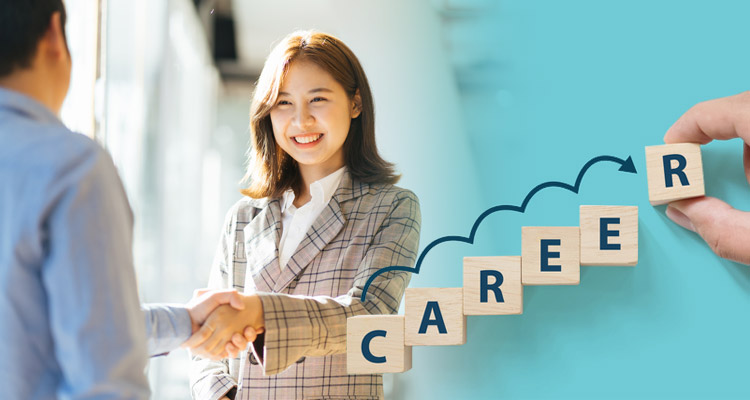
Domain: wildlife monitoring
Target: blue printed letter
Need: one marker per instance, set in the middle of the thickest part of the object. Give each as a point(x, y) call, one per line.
point(604, 233)
point(366, 347)
point(485, 287)
point(669, 171)
point(546, 255)
point(432, 307)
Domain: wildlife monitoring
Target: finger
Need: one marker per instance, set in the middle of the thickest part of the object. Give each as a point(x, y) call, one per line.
point(251, 334)
point(228, 296)
point(199, 338)
point(719, 119)
point(215, 344)
point(236, 301)
point(231, 350)
point(200, 292)
point(725, 229)
point(240, 341)
point(746, 162)
point(218, 350)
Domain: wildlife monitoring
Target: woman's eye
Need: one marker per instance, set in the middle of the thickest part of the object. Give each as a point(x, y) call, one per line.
point(283, 103)
point(318, 99)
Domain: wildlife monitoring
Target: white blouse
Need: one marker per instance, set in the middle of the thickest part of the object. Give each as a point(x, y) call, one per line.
point(295, 222)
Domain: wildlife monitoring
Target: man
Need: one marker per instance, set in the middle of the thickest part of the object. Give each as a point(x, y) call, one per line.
point(72, 326)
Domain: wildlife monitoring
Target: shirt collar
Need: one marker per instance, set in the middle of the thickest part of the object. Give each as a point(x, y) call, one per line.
point(20, 103)
point(321, 190)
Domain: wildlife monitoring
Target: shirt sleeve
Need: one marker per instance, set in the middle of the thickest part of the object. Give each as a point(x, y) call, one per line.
point(298, 326)
point(94, 312)
point(167, 327)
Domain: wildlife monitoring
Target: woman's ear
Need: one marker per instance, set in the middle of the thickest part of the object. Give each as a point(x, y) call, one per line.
point(356, 105)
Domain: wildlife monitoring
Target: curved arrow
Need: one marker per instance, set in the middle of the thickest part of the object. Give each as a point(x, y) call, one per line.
point(626, 166)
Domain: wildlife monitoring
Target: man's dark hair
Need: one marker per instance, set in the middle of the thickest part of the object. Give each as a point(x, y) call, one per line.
point(22, 25)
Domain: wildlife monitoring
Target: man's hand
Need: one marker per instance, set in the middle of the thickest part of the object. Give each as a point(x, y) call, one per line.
point(725, 229)
point(203, 303)
point(211, 339)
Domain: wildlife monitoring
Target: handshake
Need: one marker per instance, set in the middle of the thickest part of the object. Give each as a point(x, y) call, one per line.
point(223, 322)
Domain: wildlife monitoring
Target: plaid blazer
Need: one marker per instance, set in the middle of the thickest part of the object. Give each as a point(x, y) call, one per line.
point(302, 353)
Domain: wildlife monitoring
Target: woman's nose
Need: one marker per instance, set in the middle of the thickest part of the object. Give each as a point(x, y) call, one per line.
point(303, 117)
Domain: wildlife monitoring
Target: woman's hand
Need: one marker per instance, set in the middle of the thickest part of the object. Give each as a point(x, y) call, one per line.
point(227, 329)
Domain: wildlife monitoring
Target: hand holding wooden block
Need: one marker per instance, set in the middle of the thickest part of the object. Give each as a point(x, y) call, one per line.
point(434, 317)
point(492, 286)
point(550, 255)
point(375, 344)
point(675, 172)
point(609, 235)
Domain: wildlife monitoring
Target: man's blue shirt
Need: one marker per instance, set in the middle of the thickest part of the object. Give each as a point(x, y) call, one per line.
point(70, 321)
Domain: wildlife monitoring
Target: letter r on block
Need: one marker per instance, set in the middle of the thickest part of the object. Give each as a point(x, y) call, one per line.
point(492, 286)
point(675, 172)
point(486, 287)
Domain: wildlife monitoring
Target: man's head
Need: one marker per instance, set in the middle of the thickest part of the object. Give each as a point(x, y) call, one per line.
point(34, 57)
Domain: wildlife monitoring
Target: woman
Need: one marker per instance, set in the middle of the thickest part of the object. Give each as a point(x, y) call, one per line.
point(321, 215)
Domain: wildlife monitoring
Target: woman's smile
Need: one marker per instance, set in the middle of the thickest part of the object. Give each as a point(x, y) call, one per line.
point(307, 140)
point(311, 118)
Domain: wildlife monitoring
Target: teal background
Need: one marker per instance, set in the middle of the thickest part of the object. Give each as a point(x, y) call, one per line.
point(568, 81)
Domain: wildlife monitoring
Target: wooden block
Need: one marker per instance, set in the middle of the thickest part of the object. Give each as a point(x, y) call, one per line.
point(375, 344)
point(434, 317)
point(675, 172)
point(609, 235)
point(492, 286)
point(559, 265)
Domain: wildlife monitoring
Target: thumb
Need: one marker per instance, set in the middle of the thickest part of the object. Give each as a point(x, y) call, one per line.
point(228, 296)
point(725, 229)
point(236, 301)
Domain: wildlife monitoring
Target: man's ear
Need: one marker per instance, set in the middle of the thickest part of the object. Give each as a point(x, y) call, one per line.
point(356, 105)
point(53, 40)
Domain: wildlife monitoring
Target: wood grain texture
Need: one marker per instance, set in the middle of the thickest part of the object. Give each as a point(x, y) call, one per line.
point(450, 303)
point(658, 192)
point(626, 238)
point(398, 356)
point(568, 258)
point(510, 287)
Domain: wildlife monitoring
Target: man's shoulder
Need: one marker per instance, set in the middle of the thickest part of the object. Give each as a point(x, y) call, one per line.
point(41, 149)
point(41, 162)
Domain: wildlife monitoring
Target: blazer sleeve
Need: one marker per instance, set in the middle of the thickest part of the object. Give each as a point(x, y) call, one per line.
point(211, 380)
point(297, 326)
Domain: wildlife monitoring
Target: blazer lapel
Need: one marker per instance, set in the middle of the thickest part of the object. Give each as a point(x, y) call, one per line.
point(262, 236)
point(328, 224)
point(325, 228)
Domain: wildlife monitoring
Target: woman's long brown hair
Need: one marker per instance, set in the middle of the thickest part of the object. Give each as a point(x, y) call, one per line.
point(271, 171)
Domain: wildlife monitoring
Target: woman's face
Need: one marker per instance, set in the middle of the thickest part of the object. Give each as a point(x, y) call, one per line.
point(311, 117)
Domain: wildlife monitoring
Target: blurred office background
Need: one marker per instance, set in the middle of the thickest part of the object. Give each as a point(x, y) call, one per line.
point(165, 86)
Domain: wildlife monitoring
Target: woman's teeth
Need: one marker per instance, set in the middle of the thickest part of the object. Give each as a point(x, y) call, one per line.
point(306, 139)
